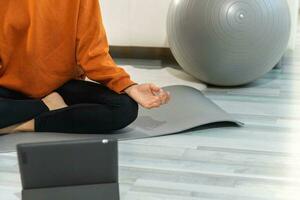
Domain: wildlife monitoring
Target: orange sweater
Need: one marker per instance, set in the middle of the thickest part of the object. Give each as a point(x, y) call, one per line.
point(45, 43)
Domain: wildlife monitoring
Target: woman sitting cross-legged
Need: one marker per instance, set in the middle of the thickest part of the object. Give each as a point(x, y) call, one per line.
point(47, 49)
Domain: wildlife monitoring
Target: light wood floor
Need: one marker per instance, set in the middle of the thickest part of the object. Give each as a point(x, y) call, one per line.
point(258, 162)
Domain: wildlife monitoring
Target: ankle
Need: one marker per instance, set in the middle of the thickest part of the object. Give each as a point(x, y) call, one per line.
point(54, 101)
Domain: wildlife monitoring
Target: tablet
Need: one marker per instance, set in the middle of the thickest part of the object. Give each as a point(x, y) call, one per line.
point(69, 167)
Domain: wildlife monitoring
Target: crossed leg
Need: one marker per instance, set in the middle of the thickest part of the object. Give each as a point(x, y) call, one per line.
point(92, 108)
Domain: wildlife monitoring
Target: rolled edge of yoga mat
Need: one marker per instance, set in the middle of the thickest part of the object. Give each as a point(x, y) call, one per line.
point(188, 109)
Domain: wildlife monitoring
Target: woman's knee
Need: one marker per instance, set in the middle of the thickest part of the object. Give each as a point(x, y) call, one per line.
point(127, 111)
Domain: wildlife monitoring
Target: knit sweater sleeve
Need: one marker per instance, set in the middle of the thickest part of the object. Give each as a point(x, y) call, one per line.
point(92, 50)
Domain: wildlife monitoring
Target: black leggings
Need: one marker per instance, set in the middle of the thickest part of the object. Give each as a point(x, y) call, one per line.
point(92, 108)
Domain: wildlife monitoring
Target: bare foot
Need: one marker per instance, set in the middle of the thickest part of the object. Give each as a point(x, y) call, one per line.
point(7, 130)
point(25, 127)
point(21, 127)
point(54, 101)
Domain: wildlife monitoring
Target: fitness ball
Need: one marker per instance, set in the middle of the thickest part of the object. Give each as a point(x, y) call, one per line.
point(228, 42)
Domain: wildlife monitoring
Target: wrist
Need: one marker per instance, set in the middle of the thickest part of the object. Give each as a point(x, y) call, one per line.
point(129, 88)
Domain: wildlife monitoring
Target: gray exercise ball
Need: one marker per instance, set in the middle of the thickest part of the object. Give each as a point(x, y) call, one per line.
point(228, 42)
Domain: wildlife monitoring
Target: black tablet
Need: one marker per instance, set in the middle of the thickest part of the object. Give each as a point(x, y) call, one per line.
point(69, 167)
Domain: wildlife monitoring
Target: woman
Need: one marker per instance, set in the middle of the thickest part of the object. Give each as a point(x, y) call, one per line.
point(47, 48)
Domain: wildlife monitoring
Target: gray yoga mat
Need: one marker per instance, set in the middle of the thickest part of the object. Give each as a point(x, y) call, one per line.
point(188, 109)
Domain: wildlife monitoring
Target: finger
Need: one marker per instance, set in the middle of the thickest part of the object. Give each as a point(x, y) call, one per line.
point(155, 105)
point(163, 97)
point(155, 89)
point(156, 100)
point(166, 98)
point(169, 97)
point(150, 106)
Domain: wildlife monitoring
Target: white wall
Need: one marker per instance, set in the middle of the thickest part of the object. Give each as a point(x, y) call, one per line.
point(143, 22)
point(294, 9)
point(136, 22)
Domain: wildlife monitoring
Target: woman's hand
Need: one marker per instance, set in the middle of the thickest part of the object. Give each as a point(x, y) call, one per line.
point(148, 95)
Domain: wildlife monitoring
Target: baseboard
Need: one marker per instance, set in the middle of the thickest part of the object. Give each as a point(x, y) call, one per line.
point(142, 53)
